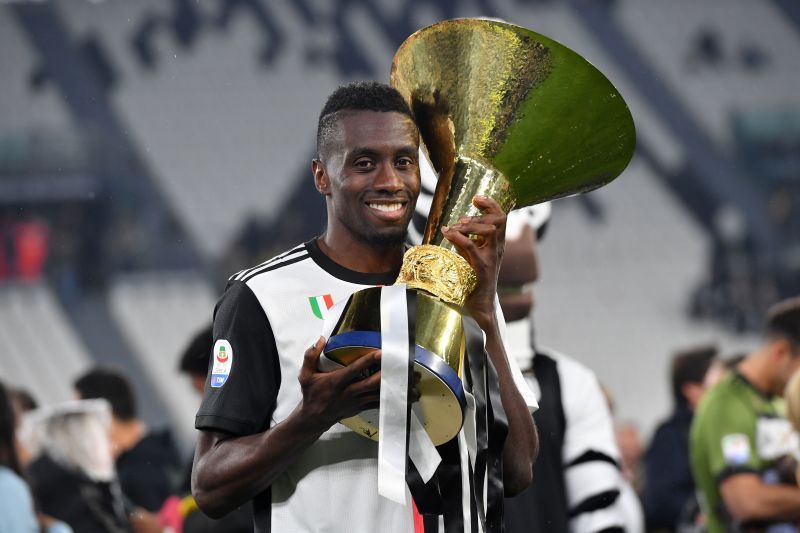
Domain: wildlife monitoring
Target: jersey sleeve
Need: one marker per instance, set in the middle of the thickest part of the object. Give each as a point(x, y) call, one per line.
point(727, 432)
point(244, 372)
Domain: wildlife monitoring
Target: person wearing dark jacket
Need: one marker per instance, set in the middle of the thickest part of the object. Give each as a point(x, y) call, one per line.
point(147, 462)
point(668, 494)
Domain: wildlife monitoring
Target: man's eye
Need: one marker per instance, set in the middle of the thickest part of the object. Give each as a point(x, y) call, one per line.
point(405, 162)
point(364, 163)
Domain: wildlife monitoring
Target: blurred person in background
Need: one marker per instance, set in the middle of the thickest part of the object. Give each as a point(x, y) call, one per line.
point(668, 490)
point(17, 514)
point(741, 444)
point(72, 473)
point(792, 398)
point(578, 483)
point(147, 462)
point(196, 357)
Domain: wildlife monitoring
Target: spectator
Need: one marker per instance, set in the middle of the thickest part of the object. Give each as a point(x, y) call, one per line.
point(147, 462)
point(195, 358)
point(668, 493)
point(578, 482)
point(16, 503)
point(740, 435)
point(792, 397)
point(72, 475)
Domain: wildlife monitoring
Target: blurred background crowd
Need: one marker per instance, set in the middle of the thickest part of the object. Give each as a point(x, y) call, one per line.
point(150, 148)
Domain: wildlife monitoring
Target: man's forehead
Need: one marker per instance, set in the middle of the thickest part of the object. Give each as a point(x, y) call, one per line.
point(360, 125)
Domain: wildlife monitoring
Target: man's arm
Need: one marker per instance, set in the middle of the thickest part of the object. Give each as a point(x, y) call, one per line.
point(229, 470)
point(748, 498)
point(484, 255)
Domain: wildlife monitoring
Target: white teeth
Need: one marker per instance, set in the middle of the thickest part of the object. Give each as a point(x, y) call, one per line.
point(386, 207)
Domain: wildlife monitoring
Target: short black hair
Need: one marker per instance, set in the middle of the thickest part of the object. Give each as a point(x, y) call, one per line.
point(357, 96)
point(112, 386)
point(690, 366)
point(783, 322)
point(195, 357)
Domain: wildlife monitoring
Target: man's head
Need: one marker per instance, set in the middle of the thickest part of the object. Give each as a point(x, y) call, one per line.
point(367, 163)
point(782, 342)
point(690, 370)
point(195, 358)
point(112, 386)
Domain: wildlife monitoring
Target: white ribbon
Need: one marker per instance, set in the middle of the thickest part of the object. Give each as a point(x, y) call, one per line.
point(393, 417)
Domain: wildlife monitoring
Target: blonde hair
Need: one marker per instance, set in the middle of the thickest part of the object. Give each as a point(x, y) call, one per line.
point(792, 395)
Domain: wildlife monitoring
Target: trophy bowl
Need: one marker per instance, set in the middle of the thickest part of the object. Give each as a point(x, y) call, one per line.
point(503, 112)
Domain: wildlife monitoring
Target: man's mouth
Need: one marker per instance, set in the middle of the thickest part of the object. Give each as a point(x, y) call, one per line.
point(386, 208)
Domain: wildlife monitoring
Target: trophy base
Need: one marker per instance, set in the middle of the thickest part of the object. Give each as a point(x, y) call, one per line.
point(441, 403)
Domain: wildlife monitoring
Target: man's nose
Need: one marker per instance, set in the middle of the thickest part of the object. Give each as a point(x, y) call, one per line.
point(388, 179)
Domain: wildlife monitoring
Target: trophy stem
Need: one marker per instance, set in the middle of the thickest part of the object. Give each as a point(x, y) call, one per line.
point(436, 266)
point(470, 178)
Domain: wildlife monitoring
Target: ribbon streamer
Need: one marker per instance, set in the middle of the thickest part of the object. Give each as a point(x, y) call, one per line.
point(394, 410)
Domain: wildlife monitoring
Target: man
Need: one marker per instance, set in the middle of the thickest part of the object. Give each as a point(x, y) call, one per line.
point(578, 481)
point(668, 495)
point(268, 437)
point(147, 462)
point(739, 435)
point(196, 358)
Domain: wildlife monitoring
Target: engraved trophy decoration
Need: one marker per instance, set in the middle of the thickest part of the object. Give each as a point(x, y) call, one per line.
point(503, 112)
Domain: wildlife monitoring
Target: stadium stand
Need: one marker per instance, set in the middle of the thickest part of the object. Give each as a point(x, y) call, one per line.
point(41, 352)
point(158, 314)
point(718, 56)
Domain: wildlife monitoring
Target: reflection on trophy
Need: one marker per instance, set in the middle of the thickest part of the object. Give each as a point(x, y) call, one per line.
point(503, 112)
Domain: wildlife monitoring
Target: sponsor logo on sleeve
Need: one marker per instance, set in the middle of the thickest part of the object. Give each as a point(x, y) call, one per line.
point(736, 449)
point(223, 361)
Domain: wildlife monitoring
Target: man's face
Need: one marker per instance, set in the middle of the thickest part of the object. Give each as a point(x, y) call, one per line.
point(790, 365)
point(371, 176)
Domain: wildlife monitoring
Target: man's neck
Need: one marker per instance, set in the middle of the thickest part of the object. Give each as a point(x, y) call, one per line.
point(126, 434)
point(755, 369)
point(360, 256)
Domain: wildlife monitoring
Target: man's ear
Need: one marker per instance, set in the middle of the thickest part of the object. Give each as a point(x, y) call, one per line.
point(780, 348)
point(321, 179)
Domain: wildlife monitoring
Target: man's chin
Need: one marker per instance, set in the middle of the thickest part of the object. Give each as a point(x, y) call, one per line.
point(388, 238)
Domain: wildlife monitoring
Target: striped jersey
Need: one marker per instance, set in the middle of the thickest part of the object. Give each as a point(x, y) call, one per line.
point(266, 319)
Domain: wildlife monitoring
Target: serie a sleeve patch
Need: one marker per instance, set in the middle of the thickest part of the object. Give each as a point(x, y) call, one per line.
point(736, 448)
point(223, 362)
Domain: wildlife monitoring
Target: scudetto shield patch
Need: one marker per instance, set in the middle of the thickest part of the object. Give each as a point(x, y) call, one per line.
point(223, 361)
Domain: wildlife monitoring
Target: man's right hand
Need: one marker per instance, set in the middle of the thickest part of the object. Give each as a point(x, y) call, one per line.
point(331, 396)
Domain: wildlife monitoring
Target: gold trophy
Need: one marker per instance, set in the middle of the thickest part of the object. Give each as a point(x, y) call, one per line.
point(503, 112)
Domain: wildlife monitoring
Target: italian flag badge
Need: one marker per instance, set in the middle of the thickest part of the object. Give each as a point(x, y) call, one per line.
point(320, 305)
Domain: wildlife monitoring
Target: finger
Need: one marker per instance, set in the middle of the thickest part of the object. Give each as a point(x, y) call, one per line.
point(475, 228)
point(353, 371)
point(366, 385)
point(311, 357)
point(487, 204)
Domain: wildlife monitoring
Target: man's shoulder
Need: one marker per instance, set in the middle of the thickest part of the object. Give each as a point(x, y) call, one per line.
point(271, 266)
point(571, 371)
point(728, 390)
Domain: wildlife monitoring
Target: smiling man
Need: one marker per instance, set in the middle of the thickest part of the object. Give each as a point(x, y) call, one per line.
point(271, 436)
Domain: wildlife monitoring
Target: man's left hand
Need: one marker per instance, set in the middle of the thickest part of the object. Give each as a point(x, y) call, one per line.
point(481, 240)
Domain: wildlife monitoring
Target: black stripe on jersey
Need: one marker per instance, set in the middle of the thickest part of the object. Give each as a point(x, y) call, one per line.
point(242, 273)
point(595, 503)
point(275, 266)
point(592, 455)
